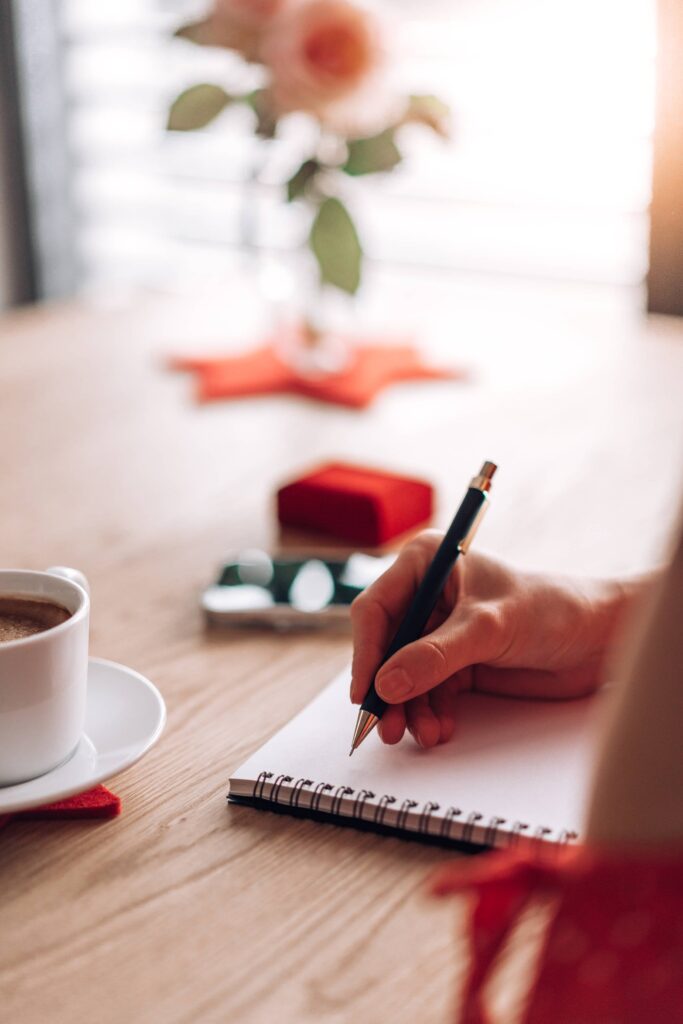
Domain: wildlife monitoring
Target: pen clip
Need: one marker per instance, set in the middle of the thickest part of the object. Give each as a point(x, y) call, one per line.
point(466, 542)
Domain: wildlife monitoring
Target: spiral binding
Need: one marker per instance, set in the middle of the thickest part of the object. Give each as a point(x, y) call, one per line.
point(340, 793)
point(449, 817)
point(425, 814)
point(297, 790)
point(470, 824)
point(406, 808)
point(372, 810)
point(259, 785)
point(541, 832)
point(321, 788)
point(491, 829)
point(279, 782)
point(359, 802)
point(381, 808)
point(567, 836)
point(516, 832)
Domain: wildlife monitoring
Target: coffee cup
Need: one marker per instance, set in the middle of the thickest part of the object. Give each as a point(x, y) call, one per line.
point(43, 670)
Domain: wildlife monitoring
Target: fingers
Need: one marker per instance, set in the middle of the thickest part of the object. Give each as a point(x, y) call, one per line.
point(431, 718)
point(461, 641)
point(371, 624)
point(376, 614)
point(442, 700)
point(392, 725)
point(422, 722)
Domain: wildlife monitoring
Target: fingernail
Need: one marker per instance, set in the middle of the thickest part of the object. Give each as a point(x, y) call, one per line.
point(395, 685)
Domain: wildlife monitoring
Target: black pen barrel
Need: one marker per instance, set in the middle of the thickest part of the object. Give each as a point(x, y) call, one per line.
point(427, 594)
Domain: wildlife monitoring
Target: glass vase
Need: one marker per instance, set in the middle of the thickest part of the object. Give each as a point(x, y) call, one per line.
point(311, 324)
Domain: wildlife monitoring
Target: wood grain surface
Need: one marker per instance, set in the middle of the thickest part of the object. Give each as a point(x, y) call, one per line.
point(187, 910)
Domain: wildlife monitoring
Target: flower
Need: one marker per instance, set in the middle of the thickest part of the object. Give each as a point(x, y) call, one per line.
point(235, 25)
point(320, 53)
point(252, 14)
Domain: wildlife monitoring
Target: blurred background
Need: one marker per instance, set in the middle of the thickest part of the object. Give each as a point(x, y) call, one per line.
point(548, 178)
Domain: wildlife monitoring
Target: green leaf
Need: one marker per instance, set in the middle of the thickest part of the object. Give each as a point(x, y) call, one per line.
point(299, 182)
point(369, 156)
point(430, 111)
point(198, 32)
point(336, 247)
point(197, 107)
point(260, 102)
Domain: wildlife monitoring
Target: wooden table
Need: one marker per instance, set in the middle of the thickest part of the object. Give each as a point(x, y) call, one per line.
point(184, 909)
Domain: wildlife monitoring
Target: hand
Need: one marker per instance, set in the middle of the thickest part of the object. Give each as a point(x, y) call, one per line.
point(495, 630)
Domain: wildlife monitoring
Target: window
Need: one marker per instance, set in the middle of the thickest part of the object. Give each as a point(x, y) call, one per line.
point(547, 176)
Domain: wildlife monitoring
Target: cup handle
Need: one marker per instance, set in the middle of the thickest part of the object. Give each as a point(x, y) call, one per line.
point(70, 574)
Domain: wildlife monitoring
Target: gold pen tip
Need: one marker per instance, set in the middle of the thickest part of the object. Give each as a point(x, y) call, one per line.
point(365, 724)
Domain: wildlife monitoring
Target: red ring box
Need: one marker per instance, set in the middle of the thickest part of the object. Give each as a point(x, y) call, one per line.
point(353, 503)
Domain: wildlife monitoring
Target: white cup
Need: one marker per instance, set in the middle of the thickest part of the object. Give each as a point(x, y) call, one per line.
point(43, 677)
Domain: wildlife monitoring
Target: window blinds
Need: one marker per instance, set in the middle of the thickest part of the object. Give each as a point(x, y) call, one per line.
point(547, 175)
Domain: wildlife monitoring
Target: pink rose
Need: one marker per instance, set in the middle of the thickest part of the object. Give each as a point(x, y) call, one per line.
point(252, 14)
point(237, 24)
point(320, 52)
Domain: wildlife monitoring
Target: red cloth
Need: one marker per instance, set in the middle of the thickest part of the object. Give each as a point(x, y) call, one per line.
point(98, 802)
point(354, 503)
point(261, 371)
point(613, 950)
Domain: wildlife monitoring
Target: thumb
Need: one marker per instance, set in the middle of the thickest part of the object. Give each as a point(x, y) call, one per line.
point(429, 661)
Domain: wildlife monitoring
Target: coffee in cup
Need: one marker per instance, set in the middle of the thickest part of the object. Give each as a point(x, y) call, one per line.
point(22, 616)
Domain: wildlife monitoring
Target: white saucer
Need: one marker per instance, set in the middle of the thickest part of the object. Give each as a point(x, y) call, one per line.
point(124, 717)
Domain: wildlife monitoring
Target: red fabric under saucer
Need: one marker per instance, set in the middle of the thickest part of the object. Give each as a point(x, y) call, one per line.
point(98, 802)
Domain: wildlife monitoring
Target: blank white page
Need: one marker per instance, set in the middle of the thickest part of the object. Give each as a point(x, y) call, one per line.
point(524, 761)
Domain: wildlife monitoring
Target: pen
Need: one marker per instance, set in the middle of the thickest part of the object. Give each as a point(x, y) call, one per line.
point(456, 542)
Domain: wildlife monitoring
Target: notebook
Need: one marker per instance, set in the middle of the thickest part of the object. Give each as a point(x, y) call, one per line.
point(514, 768)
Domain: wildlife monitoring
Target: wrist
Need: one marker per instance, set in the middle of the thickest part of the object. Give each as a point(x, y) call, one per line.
point(612, 604)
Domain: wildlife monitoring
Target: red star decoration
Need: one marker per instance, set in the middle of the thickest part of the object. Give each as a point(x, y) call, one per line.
point(262, 371)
